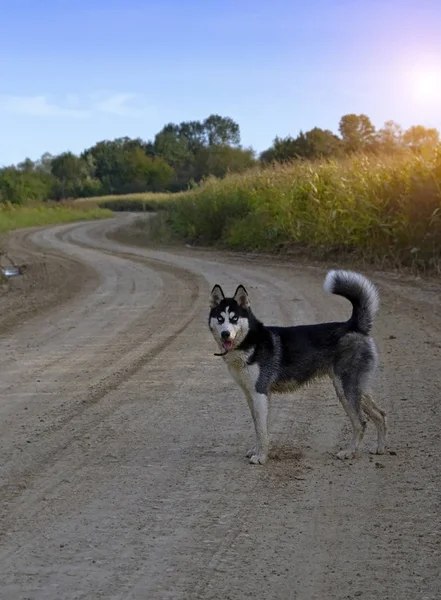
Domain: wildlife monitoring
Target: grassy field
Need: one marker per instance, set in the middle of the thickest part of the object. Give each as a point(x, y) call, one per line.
point(382, 210)
point(16, 217)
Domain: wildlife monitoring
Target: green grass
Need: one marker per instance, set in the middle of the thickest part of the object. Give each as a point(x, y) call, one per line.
point(381, 209)
point(17, 217)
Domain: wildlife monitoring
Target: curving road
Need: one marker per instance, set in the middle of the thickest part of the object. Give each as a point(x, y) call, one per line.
point(122, 438)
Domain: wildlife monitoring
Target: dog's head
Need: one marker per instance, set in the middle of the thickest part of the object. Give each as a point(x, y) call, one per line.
point(229, 317)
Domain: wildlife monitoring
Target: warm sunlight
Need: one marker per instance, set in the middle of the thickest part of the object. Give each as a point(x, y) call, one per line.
point(427, 84)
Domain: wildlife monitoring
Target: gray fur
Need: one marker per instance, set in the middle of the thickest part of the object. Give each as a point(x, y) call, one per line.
point(267, 359)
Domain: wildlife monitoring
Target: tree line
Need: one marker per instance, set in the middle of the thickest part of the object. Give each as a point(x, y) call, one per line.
point(182, 155)
point(357, 134)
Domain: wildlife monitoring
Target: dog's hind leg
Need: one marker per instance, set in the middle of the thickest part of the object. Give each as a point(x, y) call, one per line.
point(378, 417)
point(259, 404)
point(350, 398)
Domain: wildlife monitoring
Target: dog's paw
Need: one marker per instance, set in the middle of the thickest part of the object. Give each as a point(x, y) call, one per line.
point(345, 454)
point(258, 459)
point(251, 452)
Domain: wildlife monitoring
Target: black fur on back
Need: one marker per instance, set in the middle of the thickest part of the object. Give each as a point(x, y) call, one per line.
point(292, 356)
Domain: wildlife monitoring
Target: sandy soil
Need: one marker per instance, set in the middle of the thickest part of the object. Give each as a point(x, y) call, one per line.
point(122, 437)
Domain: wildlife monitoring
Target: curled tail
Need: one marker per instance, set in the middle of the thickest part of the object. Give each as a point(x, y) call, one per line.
point(362, 294)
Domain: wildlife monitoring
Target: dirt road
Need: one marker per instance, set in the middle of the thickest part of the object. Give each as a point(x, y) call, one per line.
point(122, 439)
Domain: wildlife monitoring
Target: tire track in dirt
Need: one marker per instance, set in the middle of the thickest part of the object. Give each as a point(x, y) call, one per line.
point(182, 289)
point(50, 280)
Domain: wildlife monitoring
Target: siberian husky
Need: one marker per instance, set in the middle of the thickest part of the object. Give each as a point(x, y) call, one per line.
point(268, 359)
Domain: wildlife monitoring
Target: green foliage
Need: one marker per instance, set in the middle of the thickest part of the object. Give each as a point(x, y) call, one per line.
point(420, 139)
point(390, 137)
point(221, 131)
point(182, 156)
point(172, 147)
point(220, 160)
point(316, 143)
point(16, 217)
point(20, 186)
point(322, 143)
point(121, 165)
point(139, 172)
point(70, 173)
point(357, 132)
point(197, 149)
point(380, 208)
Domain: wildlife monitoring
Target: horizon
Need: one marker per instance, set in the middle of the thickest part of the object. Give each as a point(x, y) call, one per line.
point(79, 75)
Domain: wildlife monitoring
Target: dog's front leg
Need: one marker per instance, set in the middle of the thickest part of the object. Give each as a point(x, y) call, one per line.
point(259, 405)
point(249, 398)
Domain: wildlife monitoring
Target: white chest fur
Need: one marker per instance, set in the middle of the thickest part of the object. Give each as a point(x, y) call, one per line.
point(244, 374)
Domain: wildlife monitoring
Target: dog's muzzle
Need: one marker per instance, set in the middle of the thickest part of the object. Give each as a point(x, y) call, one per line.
point(227, 343)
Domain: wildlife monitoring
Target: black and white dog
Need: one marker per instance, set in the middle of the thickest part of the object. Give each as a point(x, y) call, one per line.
point(265, 359)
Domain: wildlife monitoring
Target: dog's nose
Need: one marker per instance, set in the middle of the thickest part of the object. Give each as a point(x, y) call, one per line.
point(225, 335)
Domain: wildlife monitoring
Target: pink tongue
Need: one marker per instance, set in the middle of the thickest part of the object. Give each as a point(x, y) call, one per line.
point(227, 345)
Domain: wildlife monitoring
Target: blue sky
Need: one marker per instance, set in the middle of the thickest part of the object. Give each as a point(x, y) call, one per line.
point(74, 73)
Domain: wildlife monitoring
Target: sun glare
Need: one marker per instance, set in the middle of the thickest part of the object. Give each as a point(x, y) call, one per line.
point(427, 85)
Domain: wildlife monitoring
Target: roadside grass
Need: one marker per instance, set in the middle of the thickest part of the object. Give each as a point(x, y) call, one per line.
point(17, 217)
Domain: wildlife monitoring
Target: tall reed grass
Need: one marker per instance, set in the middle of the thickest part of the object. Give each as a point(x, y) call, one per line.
point(380, 208)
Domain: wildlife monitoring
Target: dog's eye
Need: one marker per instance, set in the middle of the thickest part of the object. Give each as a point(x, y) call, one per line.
point(233, 319)
point(220, 319)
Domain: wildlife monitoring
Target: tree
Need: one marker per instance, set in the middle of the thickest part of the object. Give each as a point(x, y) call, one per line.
point(221, 131)
point(357, 132)
point(184, 147)
point(70, 171)
point(20, 186)
point(268, 156)
point(220, 160)
point(27, 165)
point(142, 173)
point(43, 164)
point(283, 149)
point(316, 143)
point(321, 143)
point(172, 146)
point(161, 175)
point(126, 165)
point(193, 133)
point(107, 158)
point(419, 138)
point(67, 167)
point(390, 137)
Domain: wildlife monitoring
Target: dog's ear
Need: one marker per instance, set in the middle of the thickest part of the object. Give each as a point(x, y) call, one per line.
point(216, 297)
point(241, 297)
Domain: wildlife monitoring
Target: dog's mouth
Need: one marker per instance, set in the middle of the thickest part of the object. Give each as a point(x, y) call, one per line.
point(227, 345)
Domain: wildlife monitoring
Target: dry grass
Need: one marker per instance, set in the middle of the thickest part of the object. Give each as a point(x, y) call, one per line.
point(147, 202)
point(142, 197)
